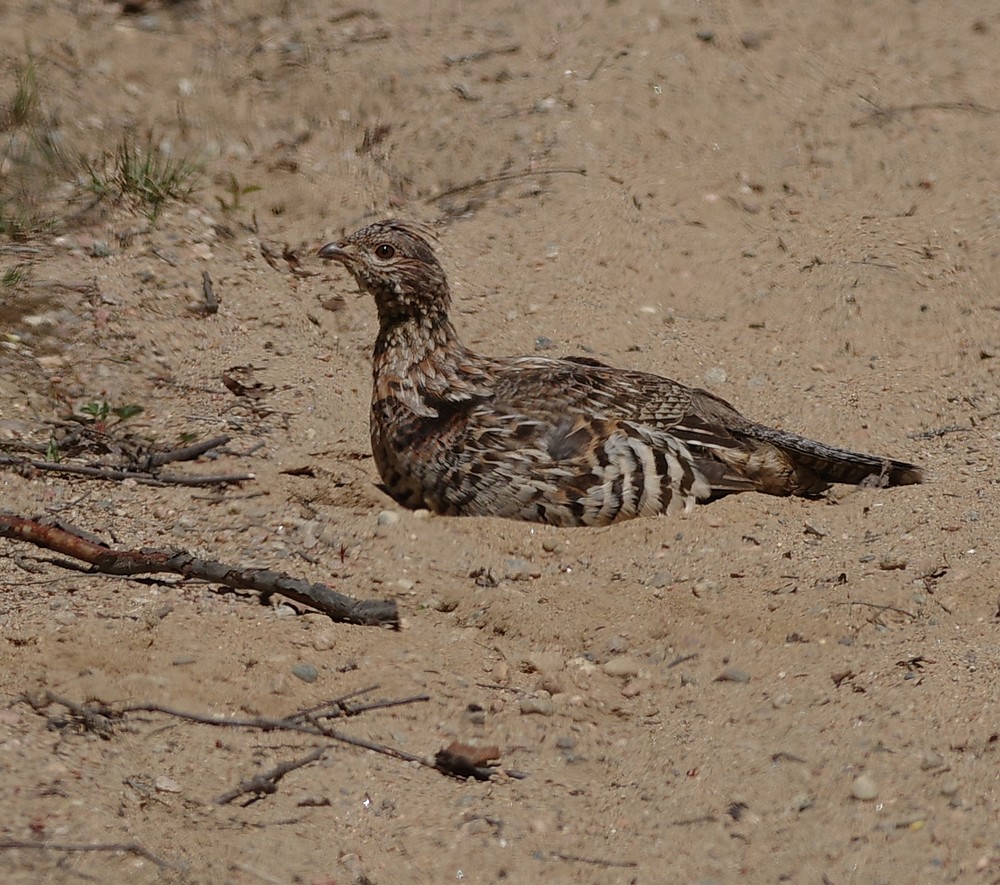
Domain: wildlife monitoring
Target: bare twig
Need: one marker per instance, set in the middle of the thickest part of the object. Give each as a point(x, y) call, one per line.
point(682, 659)
point(878, 607)
point(886, 113)
point(187, 453)
point(935, 432)
point(129, 847)
point(339, 607)
point(117, 475)
point(481, 54)
point(338, 708)
point(506, 176)
point(444, 765)
point(596, 861)
point(164, 257)
point(263, 784)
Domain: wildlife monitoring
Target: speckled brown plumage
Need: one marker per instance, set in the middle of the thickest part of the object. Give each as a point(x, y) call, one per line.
point(561, 441)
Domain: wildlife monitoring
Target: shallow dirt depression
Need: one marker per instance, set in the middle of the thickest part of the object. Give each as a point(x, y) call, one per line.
point(794, 206)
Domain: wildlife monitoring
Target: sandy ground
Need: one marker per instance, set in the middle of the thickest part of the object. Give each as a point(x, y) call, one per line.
point(795, 205)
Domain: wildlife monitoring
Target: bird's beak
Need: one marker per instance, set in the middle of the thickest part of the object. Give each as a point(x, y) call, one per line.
point(334, 251)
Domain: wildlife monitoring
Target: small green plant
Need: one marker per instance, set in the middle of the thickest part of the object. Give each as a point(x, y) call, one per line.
point(12, 277)
point(22, 218)
point(100, 413)
point(26, 187)
point(236, 193)
point(52, 451)
point(23, 106)
point(139, 172)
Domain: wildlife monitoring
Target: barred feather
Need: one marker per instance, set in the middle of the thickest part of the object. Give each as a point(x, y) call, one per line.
point(561, 441)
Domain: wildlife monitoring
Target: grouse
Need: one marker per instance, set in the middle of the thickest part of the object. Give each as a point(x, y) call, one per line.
point(561, 441)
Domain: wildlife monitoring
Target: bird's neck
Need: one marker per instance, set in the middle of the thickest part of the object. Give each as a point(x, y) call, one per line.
point(421, 362)
point(412, 339)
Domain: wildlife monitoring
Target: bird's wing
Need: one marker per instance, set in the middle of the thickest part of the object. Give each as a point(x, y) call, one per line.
point(569, 469)
point(580, 425)
point(580, 385)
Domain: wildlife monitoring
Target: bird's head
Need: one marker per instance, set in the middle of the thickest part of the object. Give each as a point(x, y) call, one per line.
point(394, 263)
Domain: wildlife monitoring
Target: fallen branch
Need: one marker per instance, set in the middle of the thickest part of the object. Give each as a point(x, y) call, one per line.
point(117, 475)
point(125, 563)
point(129, 847)
point(456, 760)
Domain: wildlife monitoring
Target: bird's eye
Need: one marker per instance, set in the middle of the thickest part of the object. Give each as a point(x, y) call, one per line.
point(384, 251)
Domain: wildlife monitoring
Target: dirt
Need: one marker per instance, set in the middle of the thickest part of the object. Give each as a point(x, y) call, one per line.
point(795, 205)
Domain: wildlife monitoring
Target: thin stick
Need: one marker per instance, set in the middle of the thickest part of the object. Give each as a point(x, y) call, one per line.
point(597, 861)
point(506, 176)
point(125, 563)
point(878, 607)
point(113, 474)
point(443, 762)
point(267, 783)
point(130, 847)
point(187, 453)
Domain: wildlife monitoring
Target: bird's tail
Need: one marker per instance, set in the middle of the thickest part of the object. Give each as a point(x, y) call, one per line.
point(830, 464)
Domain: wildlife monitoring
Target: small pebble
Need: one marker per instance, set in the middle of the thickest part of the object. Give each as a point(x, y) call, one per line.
point(543, 706)
point(501, 673)
point(949, 787)
point(622, 666)
point(891, 562)
point(552, 684)
point(305, 672)
point(183, 660)
point(660, 580)
point(715, 375)
point(631, 689)
point(324, 640)
point(864, 789)
point(733, 674)
point(166, 784)
point(617, 645)
point(387, 517)
point(546, 661)
point(931, 760)
point(518, 569)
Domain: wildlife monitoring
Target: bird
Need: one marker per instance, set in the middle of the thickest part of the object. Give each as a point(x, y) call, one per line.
point(565, 442)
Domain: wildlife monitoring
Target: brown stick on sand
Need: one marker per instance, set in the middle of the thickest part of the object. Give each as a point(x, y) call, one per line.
point(371, 612)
